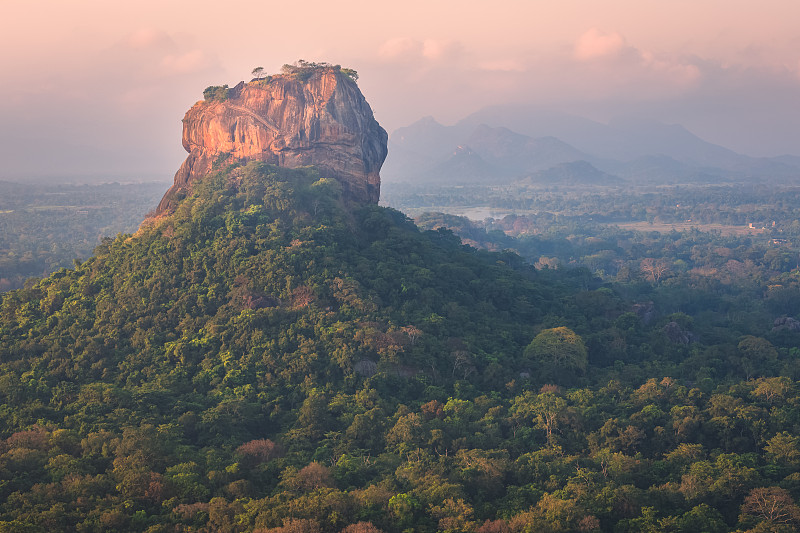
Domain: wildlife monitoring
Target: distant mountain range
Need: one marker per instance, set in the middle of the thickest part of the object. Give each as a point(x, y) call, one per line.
point(503, 144)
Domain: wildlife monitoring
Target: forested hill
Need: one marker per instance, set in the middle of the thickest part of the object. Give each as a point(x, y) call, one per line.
point(262, 309)
point(267, 359)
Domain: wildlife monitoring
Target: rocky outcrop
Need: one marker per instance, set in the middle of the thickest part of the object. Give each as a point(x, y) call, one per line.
point(786, 322)
point(315, 117)
point(677, 335)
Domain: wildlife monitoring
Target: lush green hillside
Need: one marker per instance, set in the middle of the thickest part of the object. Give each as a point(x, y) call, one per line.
point(267, 357)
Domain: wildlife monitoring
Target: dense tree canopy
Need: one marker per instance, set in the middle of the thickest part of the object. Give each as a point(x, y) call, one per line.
point(267, 359)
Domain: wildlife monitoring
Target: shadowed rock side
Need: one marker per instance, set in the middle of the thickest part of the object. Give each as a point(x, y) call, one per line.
point(322, 121)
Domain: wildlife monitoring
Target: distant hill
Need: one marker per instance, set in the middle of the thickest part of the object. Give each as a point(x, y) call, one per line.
point(522, 140)
point(663, 169)
point(520, 153)
point(572, 173)
point(466, 166)
point(427, 151)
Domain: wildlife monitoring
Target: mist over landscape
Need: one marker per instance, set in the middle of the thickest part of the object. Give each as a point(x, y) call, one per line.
point(400, 267)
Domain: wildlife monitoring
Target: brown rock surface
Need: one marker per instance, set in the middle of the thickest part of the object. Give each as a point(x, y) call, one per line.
point(284, 120)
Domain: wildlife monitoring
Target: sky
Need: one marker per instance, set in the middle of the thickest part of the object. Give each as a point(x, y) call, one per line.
point(98, 88)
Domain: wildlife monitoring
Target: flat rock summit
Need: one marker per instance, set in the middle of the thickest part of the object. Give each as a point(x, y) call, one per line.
point(311, 114)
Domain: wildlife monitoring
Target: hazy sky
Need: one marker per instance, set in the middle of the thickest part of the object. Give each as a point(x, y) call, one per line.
point(99, 86)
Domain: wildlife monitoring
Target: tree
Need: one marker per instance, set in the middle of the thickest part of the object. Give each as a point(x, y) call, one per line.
point(362, 527)
point(297, 525)
point(702, 518)
point(462, 363)
point(784, 449)
point(758, 355)
point(258, 73)
point(325, 192)
point(454, 515)
point(413, 333)
point(654, 269)
point(546, 410)
point(773, 390)
point(558, 352)
point(216, 92)
point(258, 451)
point(350, 73)
point(313, 476)
point(772, 504)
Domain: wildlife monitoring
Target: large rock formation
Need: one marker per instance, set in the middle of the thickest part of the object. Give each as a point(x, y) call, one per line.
point(306, 116)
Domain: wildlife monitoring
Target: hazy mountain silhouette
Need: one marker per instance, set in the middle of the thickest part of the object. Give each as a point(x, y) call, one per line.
point(521, 153)
point(524, 140)
point(572, 173)
point(465, 165)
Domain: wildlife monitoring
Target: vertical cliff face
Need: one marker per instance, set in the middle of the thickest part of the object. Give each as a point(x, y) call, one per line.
point(320, 118)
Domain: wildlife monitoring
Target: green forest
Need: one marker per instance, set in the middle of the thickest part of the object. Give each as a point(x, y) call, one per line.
point(270, 358)
point(46, 226)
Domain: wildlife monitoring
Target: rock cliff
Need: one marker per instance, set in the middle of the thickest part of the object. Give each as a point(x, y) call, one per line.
point(313, 116)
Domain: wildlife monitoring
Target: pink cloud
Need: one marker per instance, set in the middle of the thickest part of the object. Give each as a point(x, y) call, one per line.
point(673, 70)
point(503, 65)
point(191, 61)
point(148, 38)
point(595, 44)
point(438, 50)
point(401, 48)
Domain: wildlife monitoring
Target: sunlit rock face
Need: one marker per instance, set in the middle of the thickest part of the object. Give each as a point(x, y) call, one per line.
point(319, 119)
